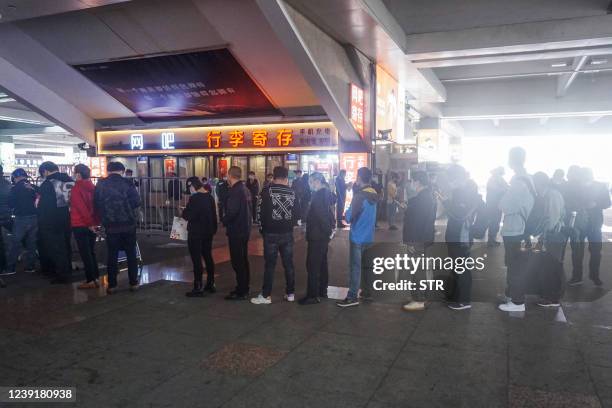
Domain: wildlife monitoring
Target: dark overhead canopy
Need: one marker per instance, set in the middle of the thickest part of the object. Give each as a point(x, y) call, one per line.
point(181, 86)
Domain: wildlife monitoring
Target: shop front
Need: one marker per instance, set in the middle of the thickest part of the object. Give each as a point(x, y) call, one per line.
point(210, 151)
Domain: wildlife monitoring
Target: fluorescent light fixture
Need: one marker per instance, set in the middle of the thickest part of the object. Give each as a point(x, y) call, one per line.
point(559, 64)
point(599, 61)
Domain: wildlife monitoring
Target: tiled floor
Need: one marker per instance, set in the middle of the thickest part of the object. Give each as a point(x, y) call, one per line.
point(157, 348)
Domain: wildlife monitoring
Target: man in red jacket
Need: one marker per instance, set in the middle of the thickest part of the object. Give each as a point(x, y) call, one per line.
point(84, 221)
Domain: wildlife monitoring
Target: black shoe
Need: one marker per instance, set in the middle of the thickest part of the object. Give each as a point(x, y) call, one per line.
point(493, 243)
point(60, 281)
point(574, 282)
point(597, 281)
point(210, 288)
point(459, 306)
point(309, 301)
point(195, 293)
point(392, 228)
point(348, 303)
point(236, 296)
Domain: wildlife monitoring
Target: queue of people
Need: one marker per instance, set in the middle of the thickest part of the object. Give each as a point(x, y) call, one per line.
point(553, 210)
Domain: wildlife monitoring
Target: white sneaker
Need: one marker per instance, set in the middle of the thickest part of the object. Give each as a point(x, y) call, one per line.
point(511, 307)
point(290, 297)
point(260, 300)
point(414, 306)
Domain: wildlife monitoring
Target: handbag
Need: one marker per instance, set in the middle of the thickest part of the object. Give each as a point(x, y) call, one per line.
point(179, 229)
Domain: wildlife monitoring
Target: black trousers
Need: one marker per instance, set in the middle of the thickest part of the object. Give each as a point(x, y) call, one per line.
point(199, 248)
point(459, 286)
point(316, 266)
point(495, 216)
point(221, 210)
point(55, 252)
point(239, 255)
point(340, 209)
point(593, 234)
point(516, 265)
point(3, 249)
point(116, 242)
point(86, 242)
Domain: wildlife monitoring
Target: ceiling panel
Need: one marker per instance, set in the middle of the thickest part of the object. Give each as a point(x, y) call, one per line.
point(424, 16)
point(14, 10)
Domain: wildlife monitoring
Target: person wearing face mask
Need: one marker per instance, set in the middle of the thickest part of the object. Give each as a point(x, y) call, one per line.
point(277, 210)
point(319, 227)
point(252, 185)
point(516, 204)
point(116, 200)
point(201, 228)
point(238, 222)
point(419, 230)
point(361, 215)
point(54, 223)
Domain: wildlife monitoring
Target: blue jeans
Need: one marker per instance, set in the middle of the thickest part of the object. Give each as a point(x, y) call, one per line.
point(25, 229)
point(273, 244)
point(355, 253)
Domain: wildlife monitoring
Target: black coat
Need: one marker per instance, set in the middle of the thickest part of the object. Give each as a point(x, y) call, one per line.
point(420, 218)
point(116, 199)
point(320, 219)
point(22, 198)
point(54, 202)
point(238, 218)
point(201, 216)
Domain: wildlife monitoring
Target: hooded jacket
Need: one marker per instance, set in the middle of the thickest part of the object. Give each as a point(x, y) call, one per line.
point(22, 199)
point(82, 212)
point(320, 219)
point(362, 215)
point(53, 206)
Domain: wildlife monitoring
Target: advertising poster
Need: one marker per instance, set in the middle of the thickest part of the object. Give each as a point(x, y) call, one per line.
point(198, 84)
point(390, 105)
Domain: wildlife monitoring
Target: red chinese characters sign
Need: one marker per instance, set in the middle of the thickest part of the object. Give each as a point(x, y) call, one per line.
point(270, 137)
point(357, 109)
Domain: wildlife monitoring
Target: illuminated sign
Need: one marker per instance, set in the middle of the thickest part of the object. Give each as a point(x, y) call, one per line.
point(167, 140)
point(357, 108)
point(136, 141)
point(223, 139)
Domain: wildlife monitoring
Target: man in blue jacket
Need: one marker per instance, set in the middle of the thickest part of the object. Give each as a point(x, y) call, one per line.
point(361, 215)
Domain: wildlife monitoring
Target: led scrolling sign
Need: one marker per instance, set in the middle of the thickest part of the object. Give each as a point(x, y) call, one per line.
point(271, 137)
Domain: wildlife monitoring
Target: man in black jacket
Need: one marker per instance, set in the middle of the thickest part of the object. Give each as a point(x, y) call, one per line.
point(277, 210)
point(21, 201)
point(319, 226)
point(5, 219)
point(597, 200)
point(419, 229)
point(341, 195)
point(54, 223)
point(116, 200)
point(238, 221)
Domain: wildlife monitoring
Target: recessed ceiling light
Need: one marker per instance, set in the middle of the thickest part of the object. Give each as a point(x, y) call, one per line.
point(559, 65)
point(599, 62)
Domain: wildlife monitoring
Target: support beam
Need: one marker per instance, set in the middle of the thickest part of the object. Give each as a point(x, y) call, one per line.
point(303, 40)
point(513, 38)
point(565, 81)
point(46, 102)
point(23, 116)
